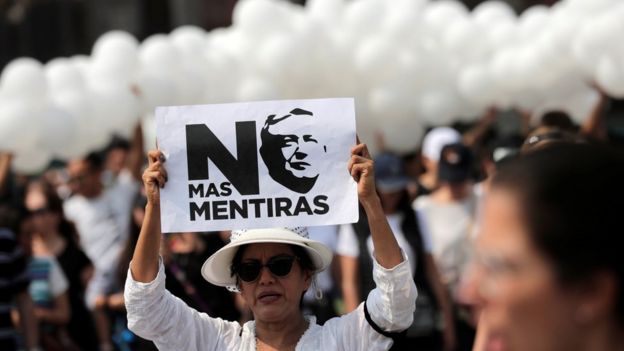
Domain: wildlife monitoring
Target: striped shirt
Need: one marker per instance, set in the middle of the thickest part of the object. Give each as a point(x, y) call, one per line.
point(13, 279)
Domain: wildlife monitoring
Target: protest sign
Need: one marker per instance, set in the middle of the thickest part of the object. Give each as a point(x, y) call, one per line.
point(257, 164)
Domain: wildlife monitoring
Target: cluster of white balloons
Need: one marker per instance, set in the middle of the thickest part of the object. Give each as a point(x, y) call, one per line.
point(408, 63)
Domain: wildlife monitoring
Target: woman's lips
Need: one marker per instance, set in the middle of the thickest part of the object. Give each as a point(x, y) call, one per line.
point(269, 297)
point(496, 342)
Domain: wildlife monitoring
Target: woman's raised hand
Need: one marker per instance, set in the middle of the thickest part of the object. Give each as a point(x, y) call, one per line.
point(154, 177)
point(361, 168)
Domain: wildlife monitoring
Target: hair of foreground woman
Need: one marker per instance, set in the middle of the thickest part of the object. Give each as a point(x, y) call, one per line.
point(572, 199)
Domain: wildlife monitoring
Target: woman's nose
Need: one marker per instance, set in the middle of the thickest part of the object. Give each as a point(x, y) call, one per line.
point(266, 277)
point(469, 290)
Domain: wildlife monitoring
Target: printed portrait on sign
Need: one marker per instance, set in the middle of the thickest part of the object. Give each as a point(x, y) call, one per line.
point(286, 150)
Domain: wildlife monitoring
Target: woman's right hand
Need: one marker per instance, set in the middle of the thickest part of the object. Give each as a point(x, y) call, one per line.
point(154, 177)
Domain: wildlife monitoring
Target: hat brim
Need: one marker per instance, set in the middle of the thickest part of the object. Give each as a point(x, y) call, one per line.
point(216, 269)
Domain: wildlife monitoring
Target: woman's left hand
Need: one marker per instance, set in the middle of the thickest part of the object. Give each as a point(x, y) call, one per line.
point(362, 170)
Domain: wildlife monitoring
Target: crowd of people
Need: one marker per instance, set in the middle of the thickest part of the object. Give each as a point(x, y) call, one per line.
point(458, 207)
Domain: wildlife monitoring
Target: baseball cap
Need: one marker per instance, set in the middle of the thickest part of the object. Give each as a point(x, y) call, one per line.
point(455, 163)
point(389, 173)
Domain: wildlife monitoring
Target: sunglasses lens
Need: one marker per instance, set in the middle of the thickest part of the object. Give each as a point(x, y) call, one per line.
point(249, 271)
point(280, 266)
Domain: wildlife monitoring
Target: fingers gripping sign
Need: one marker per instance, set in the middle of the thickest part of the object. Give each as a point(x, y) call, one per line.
point(155, 176)
point(361, 168)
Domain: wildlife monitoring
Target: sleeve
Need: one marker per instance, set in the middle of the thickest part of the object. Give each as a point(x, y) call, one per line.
point(425, 232)
point(58, 281)
point(155, 314)
point(390, 305)
point(347, 244)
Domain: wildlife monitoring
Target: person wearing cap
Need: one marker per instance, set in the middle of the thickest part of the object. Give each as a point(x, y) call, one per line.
point(271, 268)
point(432, 145)
point(449, 218)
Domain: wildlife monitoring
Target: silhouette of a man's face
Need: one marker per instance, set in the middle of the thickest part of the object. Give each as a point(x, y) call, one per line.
point(286, 150)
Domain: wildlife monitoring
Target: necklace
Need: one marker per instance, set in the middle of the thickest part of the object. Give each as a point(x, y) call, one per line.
point(258, 342)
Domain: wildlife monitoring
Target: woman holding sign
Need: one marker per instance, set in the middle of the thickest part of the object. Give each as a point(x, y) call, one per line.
point(272, 269)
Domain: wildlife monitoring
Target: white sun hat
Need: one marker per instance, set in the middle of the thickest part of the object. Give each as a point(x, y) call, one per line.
point(216, 269)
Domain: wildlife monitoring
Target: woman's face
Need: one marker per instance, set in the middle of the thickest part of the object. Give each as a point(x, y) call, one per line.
point(273, 298)
point(43, 219)
point(524, 306)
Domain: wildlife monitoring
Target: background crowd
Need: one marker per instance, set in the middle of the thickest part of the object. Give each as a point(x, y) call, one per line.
point(68, 233)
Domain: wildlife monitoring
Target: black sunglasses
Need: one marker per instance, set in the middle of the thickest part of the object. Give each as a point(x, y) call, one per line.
point(279, 266)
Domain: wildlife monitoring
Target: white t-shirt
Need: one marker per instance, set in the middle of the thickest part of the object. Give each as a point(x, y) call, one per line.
point(450, 227)
point(103, 223)
point(348, 243)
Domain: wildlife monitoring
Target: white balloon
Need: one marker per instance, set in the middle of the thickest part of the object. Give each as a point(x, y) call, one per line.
point(116, 110)
point(372, 57)
point(114, 57)
point(581, 103)
point(610, 77)
point(438, 107)
point(58, 130)
point(459, 38)
point(31, 162)
point(155, 91)
point(259, 18)
point(476, 86)
point(158, 55)
point(596, 38)
point(492, 11)
point(23, 78)
point(20, 126)
point(362, 17)
point(62, 75)
point(116, 41)
point(88, 134)
point(402, 137)
point(534, 20)
point(437, 15)
point(327, 11)
point(255, 89)
point(189, 40)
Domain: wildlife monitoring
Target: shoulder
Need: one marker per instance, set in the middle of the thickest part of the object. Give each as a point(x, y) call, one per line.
point(422, 202)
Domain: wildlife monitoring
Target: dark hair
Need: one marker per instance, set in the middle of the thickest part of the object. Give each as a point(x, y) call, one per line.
point(558, 119)
point(572, 197)
point(95, 161)
point(54, 204)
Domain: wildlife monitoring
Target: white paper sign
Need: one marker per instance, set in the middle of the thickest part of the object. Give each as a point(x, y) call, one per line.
point(257, 165)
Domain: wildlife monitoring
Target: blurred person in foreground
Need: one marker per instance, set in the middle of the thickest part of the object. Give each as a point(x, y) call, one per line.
point(548, 273)
point(272, 269)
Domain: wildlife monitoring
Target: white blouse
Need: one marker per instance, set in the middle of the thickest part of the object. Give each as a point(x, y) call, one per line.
point(157, 315)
